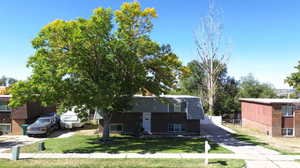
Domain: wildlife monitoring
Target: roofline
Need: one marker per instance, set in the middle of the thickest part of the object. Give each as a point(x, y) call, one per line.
point(257, 100)
point(167, 96)
point(5, 96)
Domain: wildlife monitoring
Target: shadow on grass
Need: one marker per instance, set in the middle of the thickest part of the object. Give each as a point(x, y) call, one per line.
point(220, 162)
point(143, 145)
point(249, 139)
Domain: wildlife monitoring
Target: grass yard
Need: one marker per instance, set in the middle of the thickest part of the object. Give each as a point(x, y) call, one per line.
point(286, 146)
point(88, 144)
point(121, 163)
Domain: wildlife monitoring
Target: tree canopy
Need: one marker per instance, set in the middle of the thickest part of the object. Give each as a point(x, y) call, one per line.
point(252, 88)
point(294, 79)
point(100, 62)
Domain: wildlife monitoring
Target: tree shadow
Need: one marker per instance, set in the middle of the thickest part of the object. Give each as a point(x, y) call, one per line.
point(143, 145)
point(220, 162)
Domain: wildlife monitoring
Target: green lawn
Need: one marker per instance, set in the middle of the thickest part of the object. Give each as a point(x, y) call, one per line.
point(119, 144)
point(121, 163)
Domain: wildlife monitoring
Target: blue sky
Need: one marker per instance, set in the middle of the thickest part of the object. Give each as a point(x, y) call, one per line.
point(265, 35)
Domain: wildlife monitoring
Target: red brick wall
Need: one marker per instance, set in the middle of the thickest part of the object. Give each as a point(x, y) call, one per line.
point(277, 120)
point(287, 122)
point(261, 113)
point(257, 116)
point(19, 113)
point(297, 123)
point(16, 126)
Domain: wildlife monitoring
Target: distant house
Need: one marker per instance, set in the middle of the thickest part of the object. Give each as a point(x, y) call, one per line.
point(11, 120)
point(181, 114)
point(274, 117)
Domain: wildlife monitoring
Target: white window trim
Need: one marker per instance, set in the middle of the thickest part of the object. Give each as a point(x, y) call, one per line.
point(175, 131)
point(7, 124)
point(283, 113)
point(289, 135)
point(177, 105)
point(116, 124)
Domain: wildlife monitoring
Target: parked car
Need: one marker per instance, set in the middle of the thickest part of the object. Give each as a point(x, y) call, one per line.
point(44, 125)
point(71, 120)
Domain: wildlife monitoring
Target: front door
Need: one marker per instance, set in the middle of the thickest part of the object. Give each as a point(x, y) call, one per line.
point(147, 122)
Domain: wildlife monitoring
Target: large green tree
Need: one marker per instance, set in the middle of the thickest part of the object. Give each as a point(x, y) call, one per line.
point(100, 62)
point(252, 88)
point(226, 100)
point(294, 79)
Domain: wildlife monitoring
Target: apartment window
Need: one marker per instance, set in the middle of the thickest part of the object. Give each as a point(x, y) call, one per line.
point(178, 107)
point(4, 106)
point(116, 127)
point(288, 132)
point(287, 110)
point(5, 128)
point(176, 128)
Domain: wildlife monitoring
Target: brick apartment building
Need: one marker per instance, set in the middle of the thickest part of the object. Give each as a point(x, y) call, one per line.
point(180, 115)
point(274, 117)
point(12, 119)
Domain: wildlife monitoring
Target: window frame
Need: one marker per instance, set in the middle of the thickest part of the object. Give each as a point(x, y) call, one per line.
point(282, 132)
point(176, 107)
point(113, 124)
point(182, 128)
point(4, 104)
point(7, 124)
point(285, 110)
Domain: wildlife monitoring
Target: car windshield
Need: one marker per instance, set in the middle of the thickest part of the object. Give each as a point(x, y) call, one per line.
point(42, 121)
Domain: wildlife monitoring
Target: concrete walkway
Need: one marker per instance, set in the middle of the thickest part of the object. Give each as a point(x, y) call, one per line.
point(16, 140)
point(21, 140)
point(259, 157)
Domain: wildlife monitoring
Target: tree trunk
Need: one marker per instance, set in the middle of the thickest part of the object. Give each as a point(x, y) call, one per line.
point(105, 132)
point(210, 104)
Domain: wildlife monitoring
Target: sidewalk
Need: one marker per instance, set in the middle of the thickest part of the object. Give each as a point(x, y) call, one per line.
point(257, 156)
point(155, 155)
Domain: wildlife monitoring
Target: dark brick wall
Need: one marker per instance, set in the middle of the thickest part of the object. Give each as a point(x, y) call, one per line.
point(132, 122)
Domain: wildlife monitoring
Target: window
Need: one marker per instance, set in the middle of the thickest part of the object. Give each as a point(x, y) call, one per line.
point(176, 128)
point(287, 110)
point(178, 107)
point(116, 127)
point(288, 132)
point(5, 128)
point(4, 106)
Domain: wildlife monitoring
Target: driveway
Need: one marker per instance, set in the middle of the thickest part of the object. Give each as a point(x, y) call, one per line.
point(21, 140)
point(260, 156)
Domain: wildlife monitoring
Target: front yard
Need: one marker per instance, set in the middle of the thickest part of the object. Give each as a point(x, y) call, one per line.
point(284, 145)
point(121, 163)
point(82, 143)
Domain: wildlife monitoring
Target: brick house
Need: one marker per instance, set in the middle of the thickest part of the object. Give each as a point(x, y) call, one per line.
point(12, 119)
point(180, 114)
point(274, 117)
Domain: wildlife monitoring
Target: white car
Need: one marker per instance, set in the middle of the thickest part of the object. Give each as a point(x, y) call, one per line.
point(70, 120)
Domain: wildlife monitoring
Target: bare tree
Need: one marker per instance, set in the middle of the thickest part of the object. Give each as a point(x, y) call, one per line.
point(212, 50)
